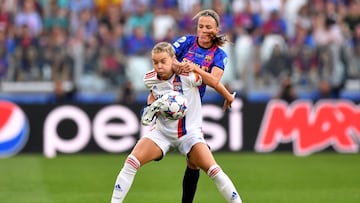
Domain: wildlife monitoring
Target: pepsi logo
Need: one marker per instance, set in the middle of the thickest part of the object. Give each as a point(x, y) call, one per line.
point(14, 129)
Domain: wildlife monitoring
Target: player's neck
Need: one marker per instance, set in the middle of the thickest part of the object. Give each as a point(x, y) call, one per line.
point(165, 77)
point(205, 45)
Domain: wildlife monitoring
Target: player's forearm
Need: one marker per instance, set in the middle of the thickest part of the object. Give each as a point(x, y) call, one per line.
point(214, 82)
point(221, 89)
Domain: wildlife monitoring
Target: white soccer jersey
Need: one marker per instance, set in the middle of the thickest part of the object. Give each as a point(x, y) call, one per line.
point(188, 86)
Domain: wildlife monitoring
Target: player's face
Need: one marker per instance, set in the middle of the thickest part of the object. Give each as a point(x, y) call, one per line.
point(206, 30)
point(162, 63)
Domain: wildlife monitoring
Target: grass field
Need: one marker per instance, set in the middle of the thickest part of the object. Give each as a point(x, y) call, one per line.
point(260, 178)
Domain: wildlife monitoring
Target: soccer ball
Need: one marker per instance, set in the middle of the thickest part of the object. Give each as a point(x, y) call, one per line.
point(175, 105)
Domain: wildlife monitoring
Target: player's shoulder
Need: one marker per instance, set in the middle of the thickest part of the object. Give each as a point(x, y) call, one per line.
point(150, 75)
point(221, 51)
point(184, 40)
point(185, 76)
point(190, 77)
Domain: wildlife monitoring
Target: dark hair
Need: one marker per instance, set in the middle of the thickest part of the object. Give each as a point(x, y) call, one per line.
point(217, 39)
point(211, 13)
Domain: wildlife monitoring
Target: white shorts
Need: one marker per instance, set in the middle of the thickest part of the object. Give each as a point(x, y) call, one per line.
point(183, 144)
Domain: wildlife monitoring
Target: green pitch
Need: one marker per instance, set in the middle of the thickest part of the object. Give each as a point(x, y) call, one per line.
point(260, 178)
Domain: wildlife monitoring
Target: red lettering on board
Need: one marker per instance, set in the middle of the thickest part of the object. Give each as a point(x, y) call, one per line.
point(311, 128)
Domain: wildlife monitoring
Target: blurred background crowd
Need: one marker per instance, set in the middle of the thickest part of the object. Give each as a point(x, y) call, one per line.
point(279, 48)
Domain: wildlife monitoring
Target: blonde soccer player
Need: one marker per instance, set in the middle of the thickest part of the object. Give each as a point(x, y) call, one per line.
point(184, 134)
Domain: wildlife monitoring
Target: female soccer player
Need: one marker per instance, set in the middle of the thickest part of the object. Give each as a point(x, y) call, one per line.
point(184, 134)
point(202, 54)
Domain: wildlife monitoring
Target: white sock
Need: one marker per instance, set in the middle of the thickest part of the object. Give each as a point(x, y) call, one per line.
point(125, 179)
point(224, 184)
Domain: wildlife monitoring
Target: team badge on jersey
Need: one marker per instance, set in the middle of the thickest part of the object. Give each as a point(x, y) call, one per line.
point(208, 58)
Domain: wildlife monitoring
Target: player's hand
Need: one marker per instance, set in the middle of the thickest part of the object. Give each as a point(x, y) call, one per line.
point(150, 112)
point(227, 103)
point(188, 67)
point(178, 67)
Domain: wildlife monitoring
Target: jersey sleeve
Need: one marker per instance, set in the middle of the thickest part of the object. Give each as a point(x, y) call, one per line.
point(195, 79)
point(148, 78)
point(220, 59)
point(182, 45)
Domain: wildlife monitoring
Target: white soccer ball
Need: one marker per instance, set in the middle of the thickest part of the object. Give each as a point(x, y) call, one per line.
point(175, 105)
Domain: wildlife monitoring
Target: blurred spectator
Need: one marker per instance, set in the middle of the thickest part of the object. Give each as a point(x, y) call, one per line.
point(29, 69)
point(113, 16)
point(171, 35)
point(126, 94)
point(130, 7)
point(105, 36)
point(55, 16)
point(86, 20)
point(102, 6)
point(170, 5)
point(185, 22)
point(91, 56)
point(138, 43)
point(332, 70)
point(244, 54)
point(305, 68)
point(25, 39)
point(292, 13)
point(76, 48)
point(110, 67)
point(353, 15)
point(50, 40)
point(287, 91)
point(4, 56)
point(187, 6)
point(275, 24)
point(227, 21)
point(326, 31)
point(162, 23)
point(63, 93)
point(269, 6)
point(28, 16)
point(143, 18)
point(4, 63)
point(5, 16)
point(301, 38)
point(246, 20)
point(303, 19)
point(353, 54)
point(119, 43)
point(278, 66)
point(77, 6)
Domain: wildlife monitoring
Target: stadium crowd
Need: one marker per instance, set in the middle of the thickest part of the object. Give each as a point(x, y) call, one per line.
point(288, 48)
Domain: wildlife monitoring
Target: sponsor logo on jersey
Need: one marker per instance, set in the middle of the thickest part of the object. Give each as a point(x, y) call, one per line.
point(14, 129)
